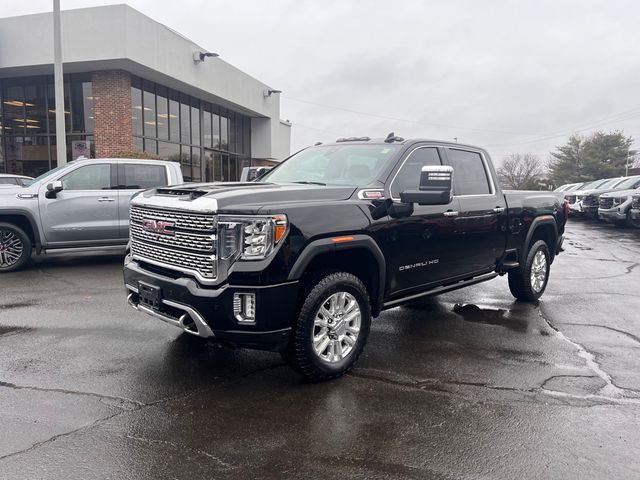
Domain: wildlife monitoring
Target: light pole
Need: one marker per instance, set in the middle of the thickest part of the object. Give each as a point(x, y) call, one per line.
point(58, 82)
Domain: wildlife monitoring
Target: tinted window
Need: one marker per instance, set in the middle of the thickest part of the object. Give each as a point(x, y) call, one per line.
point(408, 177)
point(469, 175)
point(89, 177)
point(7, 181)
point(138, 176)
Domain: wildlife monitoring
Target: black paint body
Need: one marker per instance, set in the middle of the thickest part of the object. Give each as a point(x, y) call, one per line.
point(416, 250)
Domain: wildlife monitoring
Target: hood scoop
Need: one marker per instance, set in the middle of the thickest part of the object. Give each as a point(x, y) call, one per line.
point(182, 193)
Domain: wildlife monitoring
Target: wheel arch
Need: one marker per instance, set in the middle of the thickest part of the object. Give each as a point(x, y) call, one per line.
point(542, 228)
point(360, 256)
point(23, 219)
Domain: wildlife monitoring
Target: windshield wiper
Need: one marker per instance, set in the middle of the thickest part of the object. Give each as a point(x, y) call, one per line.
point(312, 183)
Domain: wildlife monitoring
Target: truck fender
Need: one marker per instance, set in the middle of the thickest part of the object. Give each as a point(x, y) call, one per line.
point(29, 216)
point(538, 221)
point(325, 245)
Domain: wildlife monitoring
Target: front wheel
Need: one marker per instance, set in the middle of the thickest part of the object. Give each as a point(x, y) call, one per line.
point(529, 281)
point(332, 327)
point(15, 247)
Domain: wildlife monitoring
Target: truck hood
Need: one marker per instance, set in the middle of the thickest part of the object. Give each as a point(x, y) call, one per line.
point(232, 197)
point(621, 193)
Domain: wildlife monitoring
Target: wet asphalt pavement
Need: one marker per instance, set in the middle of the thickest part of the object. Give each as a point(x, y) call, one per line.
point(467, 385)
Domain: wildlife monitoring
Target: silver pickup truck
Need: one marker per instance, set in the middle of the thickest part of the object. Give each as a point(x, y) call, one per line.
point(81, 205)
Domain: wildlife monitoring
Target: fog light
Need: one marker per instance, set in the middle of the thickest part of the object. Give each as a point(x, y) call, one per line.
point(244, 307)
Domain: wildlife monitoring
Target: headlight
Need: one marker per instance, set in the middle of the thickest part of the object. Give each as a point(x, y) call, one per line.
point(249, 238)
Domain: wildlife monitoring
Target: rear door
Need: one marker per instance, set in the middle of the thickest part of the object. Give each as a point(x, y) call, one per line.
point(133, 178)
point(482, 214)
point(85, 212)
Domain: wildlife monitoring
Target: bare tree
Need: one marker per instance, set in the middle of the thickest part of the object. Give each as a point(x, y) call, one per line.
point(521, 171)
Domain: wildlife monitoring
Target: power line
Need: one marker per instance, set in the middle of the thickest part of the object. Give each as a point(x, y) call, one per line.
point(397, 119)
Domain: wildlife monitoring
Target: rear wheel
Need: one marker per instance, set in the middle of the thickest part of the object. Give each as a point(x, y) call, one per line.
point(529, 281)
point(332, 327)
point(15, 247)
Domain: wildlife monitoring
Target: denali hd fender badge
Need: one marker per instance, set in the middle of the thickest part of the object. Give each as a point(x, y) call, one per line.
point(157, 226)
point(426, 263)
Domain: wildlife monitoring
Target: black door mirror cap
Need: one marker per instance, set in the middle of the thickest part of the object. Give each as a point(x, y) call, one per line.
point(427, 197)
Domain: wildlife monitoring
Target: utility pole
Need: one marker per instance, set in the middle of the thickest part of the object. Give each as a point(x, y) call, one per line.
point(58, 81)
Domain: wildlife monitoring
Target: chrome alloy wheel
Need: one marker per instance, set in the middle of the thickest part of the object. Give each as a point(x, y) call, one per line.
point(538, 271)
point(336, 327)
point(11, 248)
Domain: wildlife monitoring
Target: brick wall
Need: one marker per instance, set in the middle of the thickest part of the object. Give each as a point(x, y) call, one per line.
point(112, 112)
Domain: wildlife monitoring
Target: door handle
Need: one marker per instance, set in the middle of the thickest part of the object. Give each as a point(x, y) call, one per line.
point(106, 199)
point(498, 209)
point(451, 213)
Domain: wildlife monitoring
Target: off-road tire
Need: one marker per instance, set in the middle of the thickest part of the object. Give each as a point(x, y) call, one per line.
point(520, 283)
point(300, 353)
point(19, 234)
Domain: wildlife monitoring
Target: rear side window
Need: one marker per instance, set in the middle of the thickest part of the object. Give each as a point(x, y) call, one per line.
point(469, 174)
point(408, 177)
point(135, 176)
point(7, 181)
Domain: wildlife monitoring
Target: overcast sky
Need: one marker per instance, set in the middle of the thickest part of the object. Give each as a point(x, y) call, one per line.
point(512, 76)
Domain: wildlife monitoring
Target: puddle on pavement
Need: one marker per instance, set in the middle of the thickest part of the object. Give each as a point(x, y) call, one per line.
point(575, 385)
point(12, 330)
point(490, 316)
point(11, 306)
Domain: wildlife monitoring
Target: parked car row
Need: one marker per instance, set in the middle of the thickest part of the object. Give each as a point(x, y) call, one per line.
point(613, 200)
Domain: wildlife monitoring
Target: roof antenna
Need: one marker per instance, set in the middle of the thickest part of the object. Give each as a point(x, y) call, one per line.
point(392, 138)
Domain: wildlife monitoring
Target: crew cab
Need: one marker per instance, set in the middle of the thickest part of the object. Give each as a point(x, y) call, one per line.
point(302, 260)
point(78, 206)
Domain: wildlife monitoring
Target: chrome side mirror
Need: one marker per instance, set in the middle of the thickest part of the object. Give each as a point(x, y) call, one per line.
point(53, 188)
point(435, 186)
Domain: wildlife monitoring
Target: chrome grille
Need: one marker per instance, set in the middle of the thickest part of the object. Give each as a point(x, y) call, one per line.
point(188, 221)
point(188, 245)
point(636, 202)
point(179, 239)
point(590, 200)
point(606, 203)
point(203, 265)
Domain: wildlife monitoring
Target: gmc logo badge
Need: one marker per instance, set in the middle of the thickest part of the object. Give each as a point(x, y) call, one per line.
point(157, 226)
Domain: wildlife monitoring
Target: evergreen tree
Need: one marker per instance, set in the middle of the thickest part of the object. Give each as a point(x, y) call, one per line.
point(601, 155)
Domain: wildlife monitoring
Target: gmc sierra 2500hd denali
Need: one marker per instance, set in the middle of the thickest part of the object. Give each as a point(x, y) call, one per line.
point(301, 261)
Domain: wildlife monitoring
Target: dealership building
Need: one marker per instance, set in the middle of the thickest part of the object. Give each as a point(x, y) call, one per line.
point(131, 85)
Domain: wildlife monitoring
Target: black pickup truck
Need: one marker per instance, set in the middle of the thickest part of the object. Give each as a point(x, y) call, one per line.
point(301, 261)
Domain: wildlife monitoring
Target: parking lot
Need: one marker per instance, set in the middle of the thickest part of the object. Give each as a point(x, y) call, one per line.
point(467, 385)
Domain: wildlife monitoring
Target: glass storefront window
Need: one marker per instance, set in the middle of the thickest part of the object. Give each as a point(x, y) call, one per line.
point(13, 103)
point(136, 107)
point(196, 175)
point(163, 113)
point(185, 115)
point(215, 135)
point(185, 162)
point(232, 132)
point(195, 122)
point(224, 133)
point(206, 125)
point(149, 110)
point(169, 151)
point(174, 116)
point(35, 101)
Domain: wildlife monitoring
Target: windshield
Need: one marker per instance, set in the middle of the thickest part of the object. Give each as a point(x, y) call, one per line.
point(609, 183)
point(628, 183)
point(28, 183)
point(575, 186)
point(355, 165)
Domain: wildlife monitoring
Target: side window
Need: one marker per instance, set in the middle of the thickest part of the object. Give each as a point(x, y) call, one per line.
point(138, 175)
point(408, 177)
point(89, 177)
point(469, 174)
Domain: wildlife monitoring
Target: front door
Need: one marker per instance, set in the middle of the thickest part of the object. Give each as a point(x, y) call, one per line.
point(85, 212)
point(417, 247)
